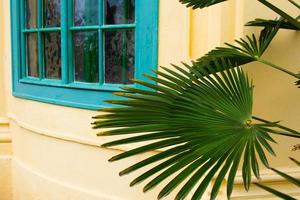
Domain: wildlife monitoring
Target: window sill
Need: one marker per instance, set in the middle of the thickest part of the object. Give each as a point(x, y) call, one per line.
point(76, 85)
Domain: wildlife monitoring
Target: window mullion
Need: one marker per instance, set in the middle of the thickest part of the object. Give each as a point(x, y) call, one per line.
point(64, 42)
point(71, 70)
point(40, 40)
point(23, 43)
point(124, 44)
point(100, 42)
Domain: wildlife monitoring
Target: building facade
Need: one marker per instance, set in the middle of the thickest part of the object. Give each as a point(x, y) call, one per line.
point(48, 150)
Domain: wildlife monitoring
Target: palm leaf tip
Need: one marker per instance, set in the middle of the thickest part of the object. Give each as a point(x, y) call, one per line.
point(204, 122)
point(295, 161)
point(298, 81)
point(200, 3)
point(287, 177)
point(275, 192)
point(272, 23)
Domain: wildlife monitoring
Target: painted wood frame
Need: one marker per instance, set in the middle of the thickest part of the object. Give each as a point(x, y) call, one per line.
point(65, 91)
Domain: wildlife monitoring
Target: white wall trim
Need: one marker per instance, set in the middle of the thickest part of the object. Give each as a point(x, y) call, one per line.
point(5, 136)
point(47, 133)
point(9, 158)
point(19, 164)
point(265, 196)
point(267, 175)
point(63, 136)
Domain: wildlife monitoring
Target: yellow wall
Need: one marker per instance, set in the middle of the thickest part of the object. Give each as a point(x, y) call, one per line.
point(55, 152)
point(5, 137)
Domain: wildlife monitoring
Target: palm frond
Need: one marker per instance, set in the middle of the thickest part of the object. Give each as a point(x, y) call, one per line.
point(204, 123)
point(272, 23)
point(247, 50)
point(200, 3)
point(287, 177)
point(283, 14)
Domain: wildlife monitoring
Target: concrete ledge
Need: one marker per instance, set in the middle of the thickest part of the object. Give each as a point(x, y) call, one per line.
point(65, 137)
point(30, 184)
point(5, 138)
point(5, 178)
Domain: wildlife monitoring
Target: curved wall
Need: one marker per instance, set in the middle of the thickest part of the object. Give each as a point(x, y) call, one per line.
point(56, 155)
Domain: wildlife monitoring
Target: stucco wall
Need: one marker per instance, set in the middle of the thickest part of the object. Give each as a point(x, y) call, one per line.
point(56, 155)
point(5, 137)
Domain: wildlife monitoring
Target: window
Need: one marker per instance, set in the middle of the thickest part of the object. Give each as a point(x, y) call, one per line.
point(77, 52)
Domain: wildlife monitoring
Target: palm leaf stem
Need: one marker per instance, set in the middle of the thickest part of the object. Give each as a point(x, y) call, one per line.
point(277, 125)
point(278, 68)
point(294, 3)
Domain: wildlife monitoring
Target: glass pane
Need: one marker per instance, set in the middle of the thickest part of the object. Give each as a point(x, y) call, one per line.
point(85, 12)
point(86, 57)
point(31, 13)
point(51, 13)
point(52, 55)
point(119, 56)
point(32, 54)
point(119, 11)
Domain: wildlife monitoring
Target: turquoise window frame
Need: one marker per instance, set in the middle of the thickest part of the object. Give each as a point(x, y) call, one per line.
point(74, 94)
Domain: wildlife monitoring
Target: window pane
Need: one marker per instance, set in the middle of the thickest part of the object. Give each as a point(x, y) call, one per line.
point(31, 13)
point(119, 56)
point(51, 13)
point(119, 11)
point(86, 57)
point(85, 12)
point(32, 54)
point(52, 55)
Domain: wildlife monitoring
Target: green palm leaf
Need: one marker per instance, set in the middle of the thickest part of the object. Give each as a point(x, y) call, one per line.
point(285, 176)
point(204, 123)
point(200, 3)
point(247, 50)
point(283, 14)
point(273, 23)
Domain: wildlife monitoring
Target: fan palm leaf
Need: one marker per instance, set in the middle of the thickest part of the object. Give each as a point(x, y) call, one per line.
point(202, 124)
point(290, 179)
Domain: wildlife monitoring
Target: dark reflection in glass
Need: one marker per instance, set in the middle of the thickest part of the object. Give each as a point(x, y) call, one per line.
point(119, 56)
point(51, 13)
point(119, 11)
point(31, 13)
point(32, 54)
point(85, 12)
point(86, 57)
point(52, 55)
